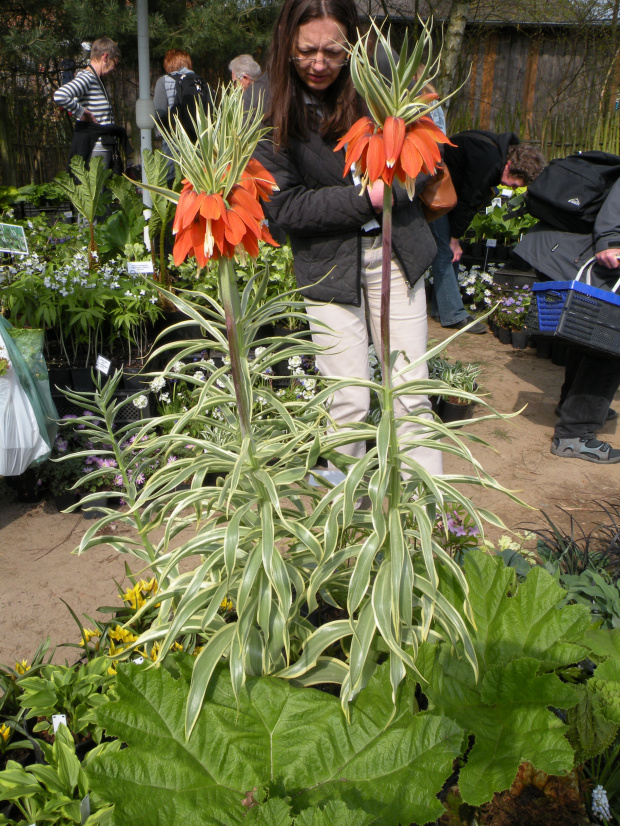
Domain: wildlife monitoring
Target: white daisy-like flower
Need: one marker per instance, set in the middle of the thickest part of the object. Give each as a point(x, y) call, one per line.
point(177, 367)
point(199, 375)
point(140, 402)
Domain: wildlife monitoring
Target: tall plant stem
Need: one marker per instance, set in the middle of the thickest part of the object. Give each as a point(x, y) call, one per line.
point(386, 278)
point(232, 311)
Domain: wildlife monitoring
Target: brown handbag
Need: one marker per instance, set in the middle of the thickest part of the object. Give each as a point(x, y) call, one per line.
point(438, 196)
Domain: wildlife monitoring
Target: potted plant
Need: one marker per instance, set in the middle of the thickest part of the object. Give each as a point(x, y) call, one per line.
point(462, 378)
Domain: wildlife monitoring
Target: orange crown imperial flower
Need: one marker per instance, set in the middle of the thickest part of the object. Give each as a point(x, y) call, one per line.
point(210, 226)
point(396, 150)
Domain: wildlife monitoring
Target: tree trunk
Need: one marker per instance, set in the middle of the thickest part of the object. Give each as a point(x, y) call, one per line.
point(453, 43)
point(9, 174)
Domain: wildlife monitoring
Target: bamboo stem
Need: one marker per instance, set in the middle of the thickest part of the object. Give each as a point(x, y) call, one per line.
point(386, 276)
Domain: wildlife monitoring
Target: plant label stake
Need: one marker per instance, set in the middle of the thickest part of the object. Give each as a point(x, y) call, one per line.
point(103, 365)
point(58, 719)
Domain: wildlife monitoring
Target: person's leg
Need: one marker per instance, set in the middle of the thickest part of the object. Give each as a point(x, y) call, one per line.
point(408, 335)
point(575, 355)
point(584, 410)
point(447, 303)
point(346, 339)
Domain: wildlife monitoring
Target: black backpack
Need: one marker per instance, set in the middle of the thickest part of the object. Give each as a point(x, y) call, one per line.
point(189, 88)
point(569, 192)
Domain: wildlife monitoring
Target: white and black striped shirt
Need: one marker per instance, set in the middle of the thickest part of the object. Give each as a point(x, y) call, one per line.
point(85, 91)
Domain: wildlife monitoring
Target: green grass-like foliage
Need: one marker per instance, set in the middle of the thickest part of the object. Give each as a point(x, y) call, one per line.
point(386, 765)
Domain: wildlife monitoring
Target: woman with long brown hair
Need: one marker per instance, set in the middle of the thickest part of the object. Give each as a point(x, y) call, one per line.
point(335, 231)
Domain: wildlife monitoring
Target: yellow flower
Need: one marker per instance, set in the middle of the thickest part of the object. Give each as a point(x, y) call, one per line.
point(5, 732)
point(134, 597)
point(22, 667)
point(112, 670)
point(227, 604)
point(177, 646)
point(121, 635)
point(151, 587)
point(88, 635)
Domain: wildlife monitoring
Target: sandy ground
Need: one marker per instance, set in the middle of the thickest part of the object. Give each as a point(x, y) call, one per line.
point(38, 571)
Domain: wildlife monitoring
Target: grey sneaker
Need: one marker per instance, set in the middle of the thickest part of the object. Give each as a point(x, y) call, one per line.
point(591, 450)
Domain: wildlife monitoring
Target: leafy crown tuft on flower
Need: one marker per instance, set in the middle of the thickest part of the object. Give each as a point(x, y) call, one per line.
point(399, 139)
point(218, 211)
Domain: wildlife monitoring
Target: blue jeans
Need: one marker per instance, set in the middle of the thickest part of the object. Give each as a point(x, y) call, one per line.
point(590, 383)
point(446, 304)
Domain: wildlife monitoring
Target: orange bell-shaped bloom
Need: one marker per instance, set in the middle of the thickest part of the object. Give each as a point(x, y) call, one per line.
point(393, 139)
point(208, 227)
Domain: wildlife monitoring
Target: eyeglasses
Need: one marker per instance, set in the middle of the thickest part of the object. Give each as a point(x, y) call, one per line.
point(330, 62)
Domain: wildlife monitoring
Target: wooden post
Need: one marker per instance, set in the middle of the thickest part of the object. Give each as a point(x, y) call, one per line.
point(488, 80)
point(9, 172)
point(529, 86)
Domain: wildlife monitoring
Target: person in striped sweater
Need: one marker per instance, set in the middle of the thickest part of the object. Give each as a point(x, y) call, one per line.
point(86, 97)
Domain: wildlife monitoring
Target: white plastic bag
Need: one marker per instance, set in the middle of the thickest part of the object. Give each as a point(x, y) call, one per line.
point(20, 440)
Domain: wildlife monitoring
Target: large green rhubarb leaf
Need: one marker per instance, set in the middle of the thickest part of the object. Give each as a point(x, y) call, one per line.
point(520, 635)
point(294, 742)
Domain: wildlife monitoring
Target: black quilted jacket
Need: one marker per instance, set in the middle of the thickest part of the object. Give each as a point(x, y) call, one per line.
point(323, 213)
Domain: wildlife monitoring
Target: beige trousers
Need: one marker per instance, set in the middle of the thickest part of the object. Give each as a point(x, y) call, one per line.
point(347, 349)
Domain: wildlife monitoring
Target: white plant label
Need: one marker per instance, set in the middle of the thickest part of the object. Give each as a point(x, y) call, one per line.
point(85, 809)
point(507, 193)
point(489, 209)
point(57, 719)
point(491, 242)
point(103, 365)
point(138, 660)
point(139, 267)
point(496, 202)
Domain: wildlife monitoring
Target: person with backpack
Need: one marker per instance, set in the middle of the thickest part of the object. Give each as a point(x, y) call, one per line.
point(477, 162)
point(176, 95)
point(591, 378)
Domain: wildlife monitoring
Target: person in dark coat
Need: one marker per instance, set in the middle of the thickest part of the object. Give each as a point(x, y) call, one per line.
point(478, 162)
point(334, 229)
point(591, 379)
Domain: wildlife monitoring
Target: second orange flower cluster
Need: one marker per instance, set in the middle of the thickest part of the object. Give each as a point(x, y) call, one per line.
point(208, 226)
point(396, 150)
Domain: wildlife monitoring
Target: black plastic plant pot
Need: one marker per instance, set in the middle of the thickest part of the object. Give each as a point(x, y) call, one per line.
point(504, 335)
point(95, 507)
point(59, 377)
point(451, 411)
point(63, 499)
point(82, 379)
point(520, 339)
point(543, 347)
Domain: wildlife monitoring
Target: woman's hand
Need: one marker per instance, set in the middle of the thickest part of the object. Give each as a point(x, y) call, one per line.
point(88, 115)
point(457, 251)
point(609, 258)
point(375, 192)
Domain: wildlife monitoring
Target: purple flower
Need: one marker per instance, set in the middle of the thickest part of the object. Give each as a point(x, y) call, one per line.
point(474, 531)
point(108, 463)
point(61, 444)
point(140, 479)
point(460, 530)
point(118, 480)
point(171, 459)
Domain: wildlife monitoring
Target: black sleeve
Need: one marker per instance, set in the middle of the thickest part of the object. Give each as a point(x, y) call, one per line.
point(306, 211)
point(607, 223)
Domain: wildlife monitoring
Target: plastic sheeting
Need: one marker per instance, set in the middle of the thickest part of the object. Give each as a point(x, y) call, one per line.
point(27, 413)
